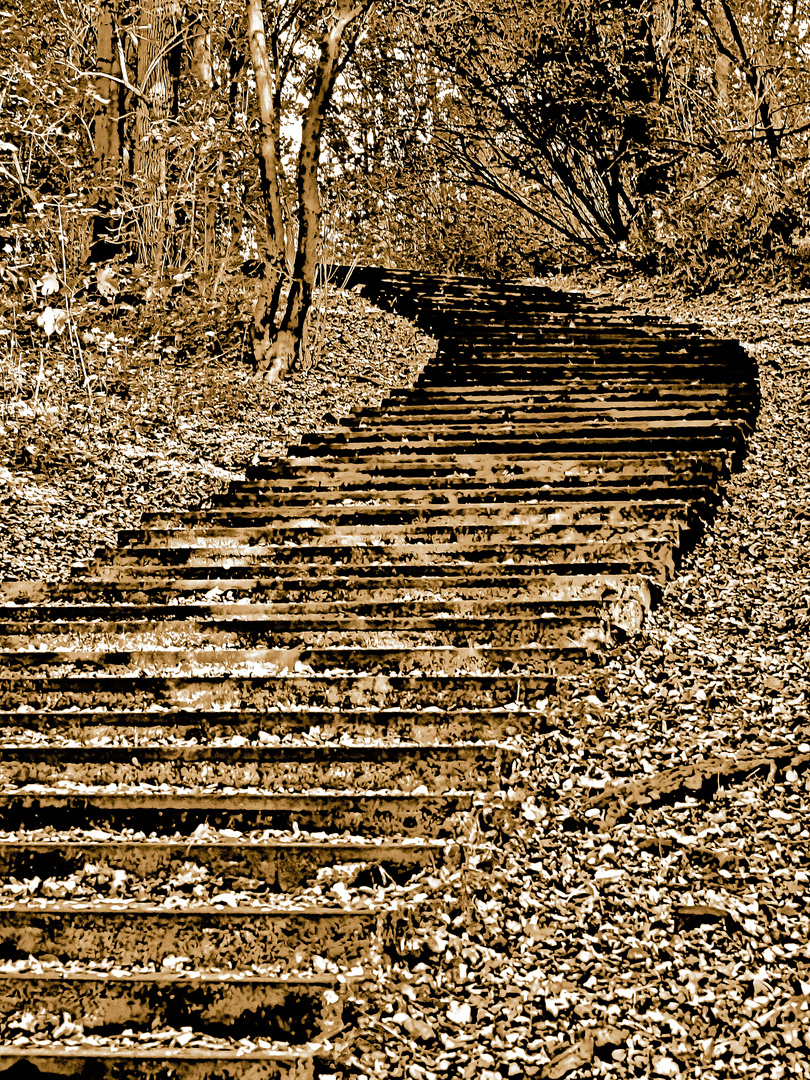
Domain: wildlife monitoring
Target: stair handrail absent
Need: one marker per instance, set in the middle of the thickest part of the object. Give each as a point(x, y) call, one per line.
point(220, 734)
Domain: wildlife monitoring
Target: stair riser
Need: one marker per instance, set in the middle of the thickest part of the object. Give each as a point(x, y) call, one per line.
point(210, 941)
point(157, 1065)
point(360, 692)
point(423, 817)
point(283, 868)
point(395, 775)
point(267, 1010)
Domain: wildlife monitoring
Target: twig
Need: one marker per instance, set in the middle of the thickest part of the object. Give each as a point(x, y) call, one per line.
point(39, 380)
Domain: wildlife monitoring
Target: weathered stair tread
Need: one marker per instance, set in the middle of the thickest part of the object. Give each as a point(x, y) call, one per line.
point(431, 816)
point(268, 556)
point(604, 440)
point(547, 502)
point(595, 384)
point(284, 722)
point(288, 863)
point(567, 504)
point(352, 493)
point(322, 752)
point(186, 1062)
point(171, 978)
point(543, 426)
point(65, 617)
point(364, 660)
point(219, 939)
point(441, 487)
point(527, 579)
point(513, 561)
point(210, 1000)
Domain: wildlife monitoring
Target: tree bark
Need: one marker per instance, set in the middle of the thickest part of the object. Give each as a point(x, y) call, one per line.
point(275, 265)
point(157, 82)
point(291, 339)
point(106, 133)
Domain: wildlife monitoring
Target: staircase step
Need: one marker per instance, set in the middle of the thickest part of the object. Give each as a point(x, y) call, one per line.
point(284, 767)
point(122, 1061)
point(423, 725)
point(262, 1005)
point(281, 866)
point(206, 936)
point(389, 814)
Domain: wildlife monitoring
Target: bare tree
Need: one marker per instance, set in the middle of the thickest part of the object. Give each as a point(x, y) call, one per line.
point(322, 41)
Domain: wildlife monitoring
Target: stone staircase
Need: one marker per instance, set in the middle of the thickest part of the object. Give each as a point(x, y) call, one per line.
point(232, 744)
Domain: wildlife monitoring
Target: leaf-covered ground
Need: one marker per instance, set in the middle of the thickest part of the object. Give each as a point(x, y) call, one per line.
point(646, 913)
point(140, 412)
point(649, 915)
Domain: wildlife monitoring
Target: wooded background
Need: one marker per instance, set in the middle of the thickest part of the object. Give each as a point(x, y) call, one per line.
point(503, 137)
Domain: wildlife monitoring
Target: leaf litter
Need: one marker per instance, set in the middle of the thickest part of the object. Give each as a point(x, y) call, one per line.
point(645, 913)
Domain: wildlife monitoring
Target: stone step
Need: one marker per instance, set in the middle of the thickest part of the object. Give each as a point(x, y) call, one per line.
point(386, 547)
point(399, 503)
point(382, 690)
point(207, 936)
point(427, 725)
point(374, 580)
point(249, 617)
point(573, 506)
point(470, 582)
point(596, 385)
point(285, 767)
point(435, 430)
point(194, 1059)
point(538, 514)
point(389, 814)
point(531, 365)
point(678, 436)
point(494, 417)
point(623, 505)
point(408, 548)
point(320, 633)
point(416, 487)
point(620, 343)
point(274, 663)
point(281, 866)
point(289, 1008)
point(584, 396)
point(496, 478)
point(596, 332)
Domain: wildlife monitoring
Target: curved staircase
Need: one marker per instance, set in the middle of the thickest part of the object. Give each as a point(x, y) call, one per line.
point(230, 741)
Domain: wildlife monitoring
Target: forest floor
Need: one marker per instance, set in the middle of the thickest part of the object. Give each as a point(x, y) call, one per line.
point(649, 916)
point(147, 408)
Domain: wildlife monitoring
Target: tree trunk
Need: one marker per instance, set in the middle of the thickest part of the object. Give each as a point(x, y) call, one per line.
point(275, 264)
point(106, 134)
point(290, 340)
point(157, 84)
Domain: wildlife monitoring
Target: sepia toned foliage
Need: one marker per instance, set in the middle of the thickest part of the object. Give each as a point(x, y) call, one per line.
point(672, 132)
